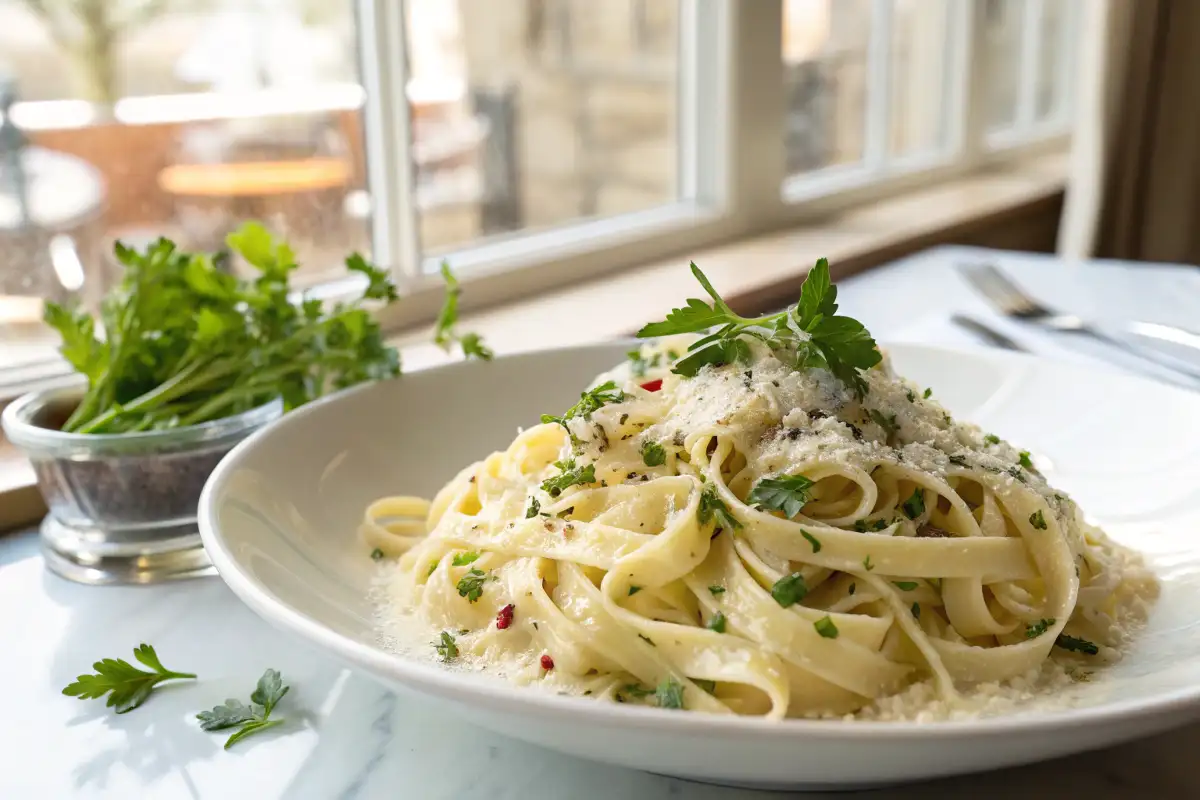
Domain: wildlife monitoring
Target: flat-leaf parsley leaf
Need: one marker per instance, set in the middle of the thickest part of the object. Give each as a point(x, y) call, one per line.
point(127, 686)
point(248, 719)
point(786, 493)
point(789, 589)
point(804, 336)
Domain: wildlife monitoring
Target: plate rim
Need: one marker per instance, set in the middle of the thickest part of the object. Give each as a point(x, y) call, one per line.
point(450, 684)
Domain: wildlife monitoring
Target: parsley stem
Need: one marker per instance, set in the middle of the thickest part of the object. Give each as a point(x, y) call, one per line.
point(167, 390)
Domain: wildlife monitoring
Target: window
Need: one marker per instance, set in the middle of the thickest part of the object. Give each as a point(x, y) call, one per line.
point(529, 142)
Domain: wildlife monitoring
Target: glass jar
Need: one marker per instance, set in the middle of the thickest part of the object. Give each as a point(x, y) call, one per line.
point(122, 506)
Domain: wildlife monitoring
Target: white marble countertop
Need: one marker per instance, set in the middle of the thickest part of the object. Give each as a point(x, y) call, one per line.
point(348, 737)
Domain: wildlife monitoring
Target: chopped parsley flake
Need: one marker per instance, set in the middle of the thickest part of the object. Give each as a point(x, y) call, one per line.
point(1076, 645)
point(916, 610)
point(376, 554)
point(991, 438)
point(888, 423)
point(914, 506)
point(1024, 460)
point(634, 590)
point(905, 586)
point(654, 454)
point(928, 393)
point(716, 590)
point(716, 622)
point(867, 565)
point(812, 540)
point(447, 648)
point(1038, 628)
point(789, 589)
point(534, 508)
point(713, 507)
point(826, 628)
point(462, 559)
point(470, 585)
point(1037, 520)
point(669, 694)
point(569, 475)
point(851, 590)
point(862, 526)
point(786, 493)
point(912, 398)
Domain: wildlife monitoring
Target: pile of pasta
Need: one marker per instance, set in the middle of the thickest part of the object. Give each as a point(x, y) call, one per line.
point(756, 540)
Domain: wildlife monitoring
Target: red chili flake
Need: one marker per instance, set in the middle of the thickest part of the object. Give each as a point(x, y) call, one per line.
point(505, 617)
point(547, 662)
point(652, 386)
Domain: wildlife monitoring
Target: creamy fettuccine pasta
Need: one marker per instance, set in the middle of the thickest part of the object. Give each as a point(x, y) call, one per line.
point(756, 539)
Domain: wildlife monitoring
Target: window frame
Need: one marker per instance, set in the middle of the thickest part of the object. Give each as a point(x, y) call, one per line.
point(731, 163)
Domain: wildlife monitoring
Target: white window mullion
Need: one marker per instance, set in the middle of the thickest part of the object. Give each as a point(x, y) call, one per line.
point(704, 83)
point(879, 86)
point(1032, 30)
point(395, 238)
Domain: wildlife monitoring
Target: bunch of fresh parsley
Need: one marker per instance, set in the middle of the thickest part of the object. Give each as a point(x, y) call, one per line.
point(185, 341)
point(804, 336)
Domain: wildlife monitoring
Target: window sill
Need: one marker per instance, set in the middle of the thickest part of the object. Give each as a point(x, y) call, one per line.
point(752, 274)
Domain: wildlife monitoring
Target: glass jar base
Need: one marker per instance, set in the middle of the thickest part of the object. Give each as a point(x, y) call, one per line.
point(123, 557)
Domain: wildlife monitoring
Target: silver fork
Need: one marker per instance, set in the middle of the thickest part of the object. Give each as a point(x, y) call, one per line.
point(1012, 301)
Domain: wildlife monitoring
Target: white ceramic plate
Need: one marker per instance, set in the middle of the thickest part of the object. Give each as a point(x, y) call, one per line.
point(279, 515)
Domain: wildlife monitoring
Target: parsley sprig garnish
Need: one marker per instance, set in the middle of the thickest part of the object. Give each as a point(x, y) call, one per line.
point(786, 493)
point(589, 401)
point(444, 334)
point(127, 686)
point(804, 336)
point(569, 475)
point(248, 719)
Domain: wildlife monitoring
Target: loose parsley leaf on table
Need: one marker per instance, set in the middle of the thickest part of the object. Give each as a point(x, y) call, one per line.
point(786, 493)
point(804, 336)
point(186, 341)
point(444, 335)
point(127, 686)
point(248, 719)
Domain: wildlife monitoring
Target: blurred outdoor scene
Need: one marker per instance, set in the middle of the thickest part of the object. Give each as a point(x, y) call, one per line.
point(132, 119)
